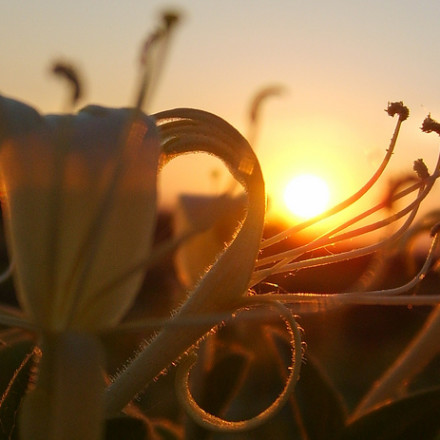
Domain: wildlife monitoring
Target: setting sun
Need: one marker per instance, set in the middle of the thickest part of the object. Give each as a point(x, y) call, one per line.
point(306, 195)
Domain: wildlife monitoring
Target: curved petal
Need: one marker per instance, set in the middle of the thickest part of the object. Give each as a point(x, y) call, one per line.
point(215, 218)
point(225, 283)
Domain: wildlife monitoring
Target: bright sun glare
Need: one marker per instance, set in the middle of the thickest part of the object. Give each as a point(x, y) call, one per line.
point(306, 195)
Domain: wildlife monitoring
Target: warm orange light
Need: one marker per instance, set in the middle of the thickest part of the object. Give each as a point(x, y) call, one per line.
point(306, 195)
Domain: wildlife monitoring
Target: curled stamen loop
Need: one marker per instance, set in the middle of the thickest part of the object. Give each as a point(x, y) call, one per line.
point(212, 422)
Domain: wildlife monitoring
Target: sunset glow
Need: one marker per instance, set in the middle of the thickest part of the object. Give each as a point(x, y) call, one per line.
point(306, 195)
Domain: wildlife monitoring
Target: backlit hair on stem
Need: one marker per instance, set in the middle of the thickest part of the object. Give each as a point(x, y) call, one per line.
point(215, 423)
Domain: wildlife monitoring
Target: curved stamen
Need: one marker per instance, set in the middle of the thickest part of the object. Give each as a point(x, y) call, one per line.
point(153, 56)
point(327, 239)
point(330, 237)
point(320, 301)
point(215, 423)
point(403, 115)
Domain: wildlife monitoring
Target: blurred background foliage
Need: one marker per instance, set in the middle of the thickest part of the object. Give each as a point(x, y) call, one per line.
point(242, 367)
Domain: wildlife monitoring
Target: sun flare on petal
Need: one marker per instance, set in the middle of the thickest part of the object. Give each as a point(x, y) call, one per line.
point(307, 195)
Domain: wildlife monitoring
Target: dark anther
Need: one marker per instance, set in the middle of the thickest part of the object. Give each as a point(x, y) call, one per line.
point(170, 18)
point(430, 125)
point(399, 108)
point(421, 169)
point(68, 72)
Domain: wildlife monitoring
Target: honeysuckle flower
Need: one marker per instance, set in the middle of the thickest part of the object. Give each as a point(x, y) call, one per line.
point(79, 196)
point(74, 186)
point(223, 287)
point(79, 200)
point(207, 245)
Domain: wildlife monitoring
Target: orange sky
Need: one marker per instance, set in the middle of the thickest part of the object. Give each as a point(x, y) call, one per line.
point(340, 61)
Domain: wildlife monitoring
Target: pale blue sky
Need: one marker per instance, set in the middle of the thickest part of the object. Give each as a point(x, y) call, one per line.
point(341, 61)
